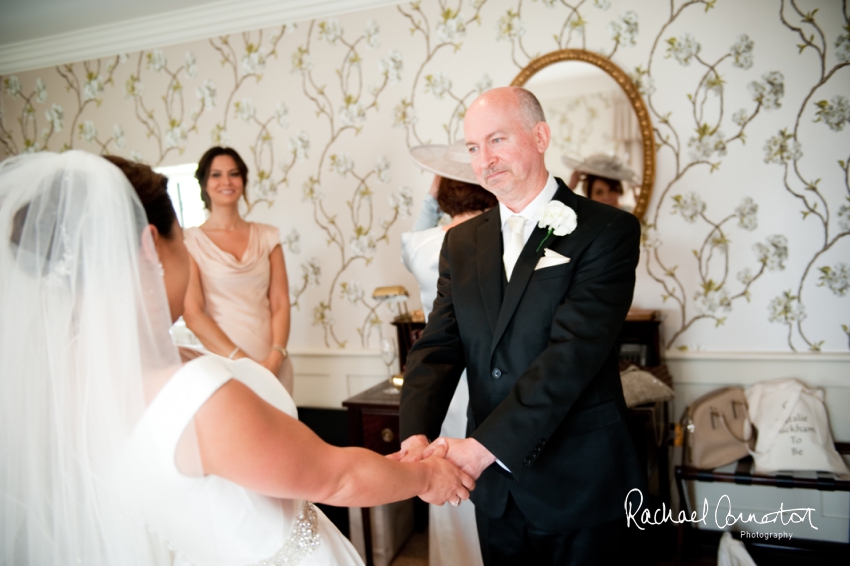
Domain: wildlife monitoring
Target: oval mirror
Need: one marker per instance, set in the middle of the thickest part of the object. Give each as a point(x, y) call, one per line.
point(593, 107)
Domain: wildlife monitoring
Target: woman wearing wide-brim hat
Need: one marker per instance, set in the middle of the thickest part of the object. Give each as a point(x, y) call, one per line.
point(452, 532)
point(601, 177)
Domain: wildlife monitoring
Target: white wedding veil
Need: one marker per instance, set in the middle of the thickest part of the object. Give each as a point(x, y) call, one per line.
point(83, 331)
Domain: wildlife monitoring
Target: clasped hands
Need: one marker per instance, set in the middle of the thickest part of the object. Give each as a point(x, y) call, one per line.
point(461, 460)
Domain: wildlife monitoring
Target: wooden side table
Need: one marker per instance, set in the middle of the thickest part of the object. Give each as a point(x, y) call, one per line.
point(373, 424)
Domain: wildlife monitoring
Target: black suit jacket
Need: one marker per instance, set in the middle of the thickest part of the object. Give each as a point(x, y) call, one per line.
point(544, 385)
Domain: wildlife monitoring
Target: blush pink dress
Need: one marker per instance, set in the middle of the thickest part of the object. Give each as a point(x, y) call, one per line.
point(236, 292)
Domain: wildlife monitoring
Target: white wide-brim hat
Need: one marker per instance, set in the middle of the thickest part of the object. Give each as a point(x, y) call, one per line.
point(602, 165)
point(449, 161)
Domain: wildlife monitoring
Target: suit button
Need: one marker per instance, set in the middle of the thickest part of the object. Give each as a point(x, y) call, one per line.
point(527, 461)
point(497, 373)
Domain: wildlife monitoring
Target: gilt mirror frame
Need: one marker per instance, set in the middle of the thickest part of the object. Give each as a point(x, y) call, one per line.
point(635, 99)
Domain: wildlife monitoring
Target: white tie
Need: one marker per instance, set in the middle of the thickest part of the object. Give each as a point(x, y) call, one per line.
point(516, 241)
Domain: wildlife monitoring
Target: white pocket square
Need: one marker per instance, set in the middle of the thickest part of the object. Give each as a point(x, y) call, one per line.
point(550, 259)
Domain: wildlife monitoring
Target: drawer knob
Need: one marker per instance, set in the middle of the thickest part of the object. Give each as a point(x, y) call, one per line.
point(387, 435)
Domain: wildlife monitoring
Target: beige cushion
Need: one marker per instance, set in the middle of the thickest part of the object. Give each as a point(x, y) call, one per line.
point(641, 387)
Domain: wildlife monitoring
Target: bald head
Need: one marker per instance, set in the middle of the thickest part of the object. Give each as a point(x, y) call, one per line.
point(507, 135)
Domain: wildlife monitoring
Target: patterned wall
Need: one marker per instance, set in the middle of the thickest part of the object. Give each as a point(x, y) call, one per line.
point(745, 243)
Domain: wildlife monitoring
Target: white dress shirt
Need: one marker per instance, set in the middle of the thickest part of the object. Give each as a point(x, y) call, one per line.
point(549, 190)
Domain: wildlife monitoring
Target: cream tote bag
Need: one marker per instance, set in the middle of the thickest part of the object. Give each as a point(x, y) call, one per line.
point(793, 428)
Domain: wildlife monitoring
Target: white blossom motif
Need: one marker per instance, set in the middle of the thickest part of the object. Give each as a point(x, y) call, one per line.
point(253, 62)
point(769, 91)
point(746, 213)
point(292, 241)
point(322, 315)
point(391, 66)
point(312, 190)
point(299, 145)
point(12, 85)
point(643, 81)
point(786, 309)
point(485, 83)
point(342, 164)
point(711, 299)
point(352, 112)
point(88, 132)
point(176, 136)
point(438, 84)
point(362, 245)
point(782, 148)
point(834, 113)
point(624, 30)
point(689, 206)
point(136, 156)
point(40, 90)
point(602, 4)
point(450, 29)
point(745, 276)
point(156, 60)
point(206, 93)
point(373, 40)
point(56, 117)
point(683, 48)
point(740, 117)
point(742, 52)
point(774, 253)
point(649, 238)
point(842, 47)
point(844, 217)
point(382, 169)
point(714, 83)
point(31, 146)
point(836, 279)
point(133, 88)
point(330, 30)
point(312, 271)
point(118, 136)
point(93, 87)
point(402, 201)
point(351, 291)
point(509, 27)
point(245, 110)
point(191, 63)
point(219, 136)
point(404, 114)
point(301, 61)
point(264, 185)
point(706, 144)
point(281, 114)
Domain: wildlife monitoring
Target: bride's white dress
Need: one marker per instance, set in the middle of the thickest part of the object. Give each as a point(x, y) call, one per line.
point(211, 521)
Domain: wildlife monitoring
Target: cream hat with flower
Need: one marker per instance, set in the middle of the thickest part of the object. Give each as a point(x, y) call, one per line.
point(449, 161)
point(602, 165)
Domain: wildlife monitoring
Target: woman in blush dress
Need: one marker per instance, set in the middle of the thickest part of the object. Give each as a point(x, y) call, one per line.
point(452, 534)
point(238, 298)
point(111, 451)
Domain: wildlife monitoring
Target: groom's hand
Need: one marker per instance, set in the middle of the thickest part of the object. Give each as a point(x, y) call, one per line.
point(467, 454)
point(411, 449)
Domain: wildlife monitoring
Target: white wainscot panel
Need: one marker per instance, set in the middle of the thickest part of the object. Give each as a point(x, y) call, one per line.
point(326, 378)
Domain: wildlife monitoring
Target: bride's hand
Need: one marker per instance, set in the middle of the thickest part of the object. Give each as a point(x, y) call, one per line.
point(447, 483)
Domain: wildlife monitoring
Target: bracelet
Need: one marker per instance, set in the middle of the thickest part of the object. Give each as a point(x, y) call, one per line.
point(282, 350)
point(233, 353)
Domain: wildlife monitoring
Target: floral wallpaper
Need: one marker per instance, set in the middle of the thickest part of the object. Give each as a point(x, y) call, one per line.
point(745, 243)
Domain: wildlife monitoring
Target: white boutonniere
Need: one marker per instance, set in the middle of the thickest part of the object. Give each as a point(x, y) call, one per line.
point(559, 218)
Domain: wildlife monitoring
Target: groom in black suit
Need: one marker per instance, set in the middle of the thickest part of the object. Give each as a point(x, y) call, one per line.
point(533, 317)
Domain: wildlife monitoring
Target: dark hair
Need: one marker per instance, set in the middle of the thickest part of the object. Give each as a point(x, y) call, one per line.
point(458, 197)
point(613, 184)
point(152, 189)
point(203, 171)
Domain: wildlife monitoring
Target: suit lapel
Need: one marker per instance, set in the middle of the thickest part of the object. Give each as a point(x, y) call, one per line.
point(524, 268)
point(490, 267)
